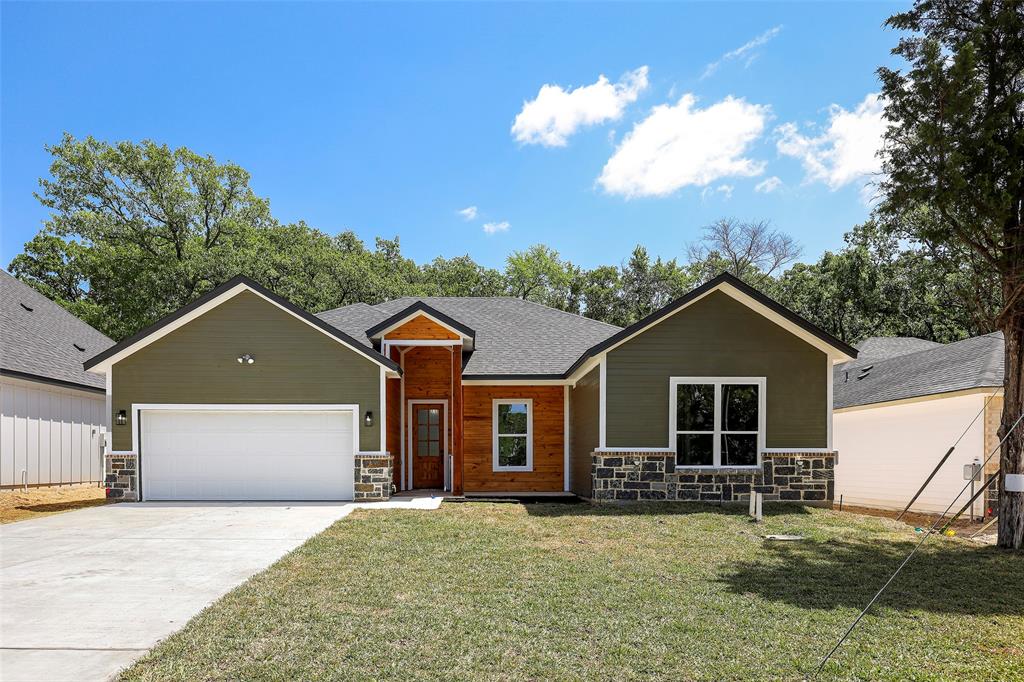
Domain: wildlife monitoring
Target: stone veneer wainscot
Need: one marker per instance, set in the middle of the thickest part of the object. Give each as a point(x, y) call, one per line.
point(805, 477)
point(122, 479)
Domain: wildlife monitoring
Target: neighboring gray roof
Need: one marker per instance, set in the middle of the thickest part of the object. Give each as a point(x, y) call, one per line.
point(972, 363)
point(513, 336)
point(40, 342)
point(884, 347)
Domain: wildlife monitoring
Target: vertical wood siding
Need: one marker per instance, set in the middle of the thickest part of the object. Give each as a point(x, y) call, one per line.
point(49, 435)
point(548, 440)
point(197, 363)
point(717, 337)
point(584, 403)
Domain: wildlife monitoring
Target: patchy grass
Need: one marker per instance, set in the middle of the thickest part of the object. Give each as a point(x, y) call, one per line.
point(568, 592)
point(16, 505)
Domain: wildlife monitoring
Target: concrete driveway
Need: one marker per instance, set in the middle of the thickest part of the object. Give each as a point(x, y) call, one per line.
point(85, 593)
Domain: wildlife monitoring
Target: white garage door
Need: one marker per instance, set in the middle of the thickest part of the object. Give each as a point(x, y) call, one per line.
point(239, 455)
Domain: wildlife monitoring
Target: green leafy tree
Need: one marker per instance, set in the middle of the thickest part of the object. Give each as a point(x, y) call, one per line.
point(955, 144)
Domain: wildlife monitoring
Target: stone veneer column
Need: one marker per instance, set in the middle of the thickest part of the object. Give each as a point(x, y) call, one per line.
point(795, 476)
point(373, 477)
point(122, 476)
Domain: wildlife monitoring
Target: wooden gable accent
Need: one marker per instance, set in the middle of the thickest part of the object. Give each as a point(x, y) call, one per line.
point(548, 440)
point(422, 328)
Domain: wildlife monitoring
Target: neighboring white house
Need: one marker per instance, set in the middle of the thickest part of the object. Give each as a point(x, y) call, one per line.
point(900, 406)
point(53, 414)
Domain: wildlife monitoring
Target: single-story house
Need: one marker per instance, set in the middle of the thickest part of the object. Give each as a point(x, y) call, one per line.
point(242, 395)
point(901, 405)
point(53, 414)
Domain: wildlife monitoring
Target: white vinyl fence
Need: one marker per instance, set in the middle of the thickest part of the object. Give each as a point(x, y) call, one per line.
point(49, 434)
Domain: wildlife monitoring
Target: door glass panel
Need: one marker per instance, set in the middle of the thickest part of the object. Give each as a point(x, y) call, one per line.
point(435, 448)
point(435, 416)
point(421, 416)
point(422, 432)
point(435, 432)
point(739, 407)
point(695, 407)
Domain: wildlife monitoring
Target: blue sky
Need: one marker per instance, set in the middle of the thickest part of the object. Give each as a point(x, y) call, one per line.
point(390, 119)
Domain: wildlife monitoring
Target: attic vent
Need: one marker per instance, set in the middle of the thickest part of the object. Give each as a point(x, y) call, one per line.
point(26, 307)
point(78, 348)
point(864, 372)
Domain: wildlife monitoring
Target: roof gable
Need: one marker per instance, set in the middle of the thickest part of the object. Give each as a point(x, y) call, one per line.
point(213, 299)
point(419, 309)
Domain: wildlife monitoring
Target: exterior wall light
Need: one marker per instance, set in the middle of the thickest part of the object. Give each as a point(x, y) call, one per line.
point(122, 418)
point(368, 419)
point(246, 359)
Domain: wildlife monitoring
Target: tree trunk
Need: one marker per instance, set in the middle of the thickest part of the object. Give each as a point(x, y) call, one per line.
point(1011, 504)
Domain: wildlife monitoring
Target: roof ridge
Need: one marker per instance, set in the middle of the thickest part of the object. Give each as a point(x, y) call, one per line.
point(348, 305)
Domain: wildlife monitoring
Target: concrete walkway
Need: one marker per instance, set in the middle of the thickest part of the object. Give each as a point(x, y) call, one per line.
point(83, 594)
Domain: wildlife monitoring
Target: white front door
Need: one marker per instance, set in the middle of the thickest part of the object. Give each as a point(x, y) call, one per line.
point(246, 455)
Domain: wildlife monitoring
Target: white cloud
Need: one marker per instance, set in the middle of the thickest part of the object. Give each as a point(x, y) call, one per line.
point(468, 213)
point(557, 113)
point(748, 50)
point(724, 190)
point(492, 228)
point(845, 151)
point(680, 144)
point(768, 185)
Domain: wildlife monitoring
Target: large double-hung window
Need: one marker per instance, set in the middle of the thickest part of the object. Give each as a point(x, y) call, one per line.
point(716, 422)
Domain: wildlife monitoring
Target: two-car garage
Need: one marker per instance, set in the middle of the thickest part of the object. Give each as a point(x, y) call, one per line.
point(218, 453)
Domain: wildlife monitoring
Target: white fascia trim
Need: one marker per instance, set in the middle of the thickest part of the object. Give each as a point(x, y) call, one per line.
point(202, 310)
point(661, 450)
point(584, 369)
point(828, 404)
point(988, 391)
point(412, 316)
point(383, 416)
point(515, 382)
point(138, 408)
point(785, 450)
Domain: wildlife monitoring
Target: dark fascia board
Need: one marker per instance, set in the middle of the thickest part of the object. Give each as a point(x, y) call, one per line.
point(724, 278)
point(227, 286)
point(421, 307)
point(25, 376)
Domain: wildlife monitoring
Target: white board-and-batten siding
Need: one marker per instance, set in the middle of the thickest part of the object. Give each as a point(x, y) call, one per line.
point(50, 434)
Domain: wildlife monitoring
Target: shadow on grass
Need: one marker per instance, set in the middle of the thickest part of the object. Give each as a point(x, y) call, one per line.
point(583, 508)
point(947, 577)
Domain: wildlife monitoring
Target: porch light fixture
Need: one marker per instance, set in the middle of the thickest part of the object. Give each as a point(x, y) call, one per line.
point(368, 419)
point(246, 359)
point(122, 418)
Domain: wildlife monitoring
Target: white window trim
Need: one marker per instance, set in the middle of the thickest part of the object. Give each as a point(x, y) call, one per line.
point(529, 433)
point(718, 382)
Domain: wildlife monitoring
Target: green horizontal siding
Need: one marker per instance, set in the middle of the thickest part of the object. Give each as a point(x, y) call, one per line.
point(584, 404)
point(717, 337)
point(197, 363)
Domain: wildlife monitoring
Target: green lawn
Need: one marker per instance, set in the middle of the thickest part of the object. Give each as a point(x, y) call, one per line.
point(547, 591)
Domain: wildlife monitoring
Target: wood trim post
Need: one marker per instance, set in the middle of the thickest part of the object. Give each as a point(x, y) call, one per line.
point(457, 454)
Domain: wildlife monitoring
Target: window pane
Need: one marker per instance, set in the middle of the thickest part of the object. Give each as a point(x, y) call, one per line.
point(435, 433)
point(512, 418)
point(422, 447)
point(695, 407)
point(512, 451)
point(421, 416)
point(739, 407)
point(435, 448)
point(739, 449)
point(435, 416)
point(421, 432)
point(695, 449)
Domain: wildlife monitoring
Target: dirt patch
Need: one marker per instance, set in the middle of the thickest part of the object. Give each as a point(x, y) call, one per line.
point(963, 525)
point(18, 505)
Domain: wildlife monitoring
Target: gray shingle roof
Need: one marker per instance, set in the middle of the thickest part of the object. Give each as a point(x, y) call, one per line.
point(41, 342)
point(513, 336)
point(884, 347)
point(972, 363)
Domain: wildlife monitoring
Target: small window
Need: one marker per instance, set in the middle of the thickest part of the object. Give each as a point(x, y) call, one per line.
point(717, 422)
point(513, 434)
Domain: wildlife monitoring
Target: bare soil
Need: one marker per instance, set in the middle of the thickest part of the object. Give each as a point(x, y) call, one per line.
point(18, 505)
